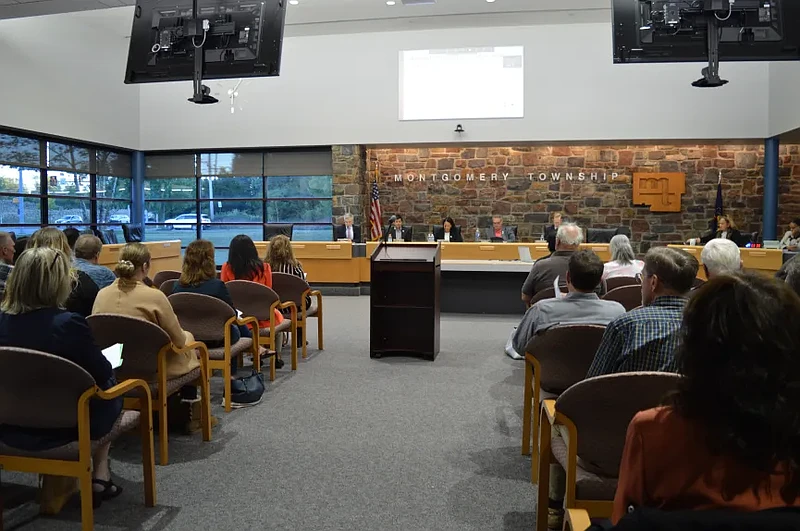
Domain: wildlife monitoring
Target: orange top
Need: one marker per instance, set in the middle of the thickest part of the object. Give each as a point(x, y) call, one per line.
point(264, 278)
point(666, 465)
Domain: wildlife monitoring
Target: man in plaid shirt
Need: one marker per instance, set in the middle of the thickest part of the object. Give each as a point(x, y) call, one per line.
point(645, 339)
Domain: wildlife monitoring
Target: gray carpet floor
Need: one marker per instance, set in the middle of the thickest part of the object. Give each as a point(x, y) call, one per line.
point(343, 443)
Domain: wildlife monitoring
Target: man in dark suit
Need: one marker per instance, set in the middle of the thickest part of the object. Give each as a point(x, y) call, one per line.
point(397, 232)
point(348, 231)
point(551, 231)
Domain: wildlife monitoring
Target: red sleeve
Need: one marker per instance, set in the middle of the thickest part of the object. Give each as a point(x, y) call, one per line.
point(226, 275)
point(631, 485)
point(267, 275)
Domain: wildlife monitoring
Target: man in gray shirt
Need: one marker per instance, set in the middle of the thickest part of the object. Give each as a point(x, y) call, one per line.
point(580, 306)
point(544, 272)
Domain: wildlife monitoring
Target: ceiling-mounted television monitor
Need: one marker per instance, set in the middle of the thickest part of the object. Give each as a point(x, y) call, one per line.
point(651, 31)
point(236, 38)
point(670, 31)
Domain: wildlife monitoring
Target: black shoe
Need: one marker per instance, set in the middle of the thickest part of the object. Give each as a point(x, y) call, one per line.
point(278, 363)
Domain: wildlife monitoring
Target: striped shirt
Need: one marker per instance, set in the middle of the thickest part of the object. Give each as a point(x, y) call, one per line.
point(289, 269)
point(644, 339)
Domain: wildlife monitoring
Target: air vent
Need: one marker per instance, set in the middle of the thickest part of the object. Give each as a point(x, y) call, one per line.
point(418, 2)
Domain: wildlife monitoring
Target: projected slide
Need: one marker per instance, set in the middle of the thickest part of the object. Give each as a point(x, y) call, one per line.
point(462, 83)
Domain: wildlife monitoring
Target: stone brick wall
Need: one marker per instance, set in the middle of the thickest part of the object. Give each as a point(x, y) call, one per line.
point(521, 196)
point(351, 188)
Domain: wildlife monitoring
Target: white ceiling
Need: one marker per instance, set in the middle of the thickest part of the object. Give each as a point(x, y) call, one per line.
point(347, 16)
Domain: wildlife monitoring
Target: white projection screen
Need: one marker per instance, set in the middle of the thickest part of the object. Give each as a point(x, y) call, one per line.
point(462, 83)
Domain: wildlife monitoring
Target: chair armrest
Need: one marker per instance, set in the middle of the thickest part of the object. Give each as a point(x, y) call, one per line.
point(122, 388)
point(247, 320)
point(549, 408)
point(576, 520)
point(316, 293)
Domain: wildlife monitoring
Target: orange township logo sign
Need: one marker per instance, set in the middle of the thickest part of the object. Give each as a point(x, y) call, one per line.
point(552, 176)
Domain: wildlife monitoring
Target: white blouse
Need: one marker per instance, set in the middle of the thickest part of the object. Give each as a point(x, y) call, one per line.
point(614, 269)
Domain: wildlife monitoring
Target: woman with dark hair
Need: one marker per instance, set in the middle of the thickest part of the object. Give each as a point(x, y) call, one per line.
point(448, 232)
point(244, 264)
point(730, 436)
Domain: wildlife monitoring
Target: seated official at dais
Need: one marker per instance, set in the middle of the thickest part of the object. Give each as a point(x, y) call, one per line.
point(726, 229)
point(348, 231)
point(396, 232)
point(791, 239)
point(448, 232)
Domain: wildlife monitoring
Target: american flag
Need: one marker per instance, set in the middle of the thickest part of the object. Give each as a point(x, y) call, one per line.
point(375, 214)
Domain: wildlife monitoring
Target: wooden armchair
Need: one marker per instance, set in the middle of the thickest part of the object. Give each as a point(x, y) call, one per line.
point(295, 289)
point(145, 350)
point(210, 319)
point(576, 520)
point(66, 405)
point(554, 360)
point(599, 409)
point(259, 301)
point(618, 282)
point(163, 276)
point(629, 296)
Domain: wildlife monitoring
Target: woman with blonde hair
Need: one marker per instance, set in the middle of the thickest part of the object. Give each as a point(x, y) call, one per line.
point(280, 257)
point(128, 295)
point(84, 290)
point(33, 317)
point(726, 229)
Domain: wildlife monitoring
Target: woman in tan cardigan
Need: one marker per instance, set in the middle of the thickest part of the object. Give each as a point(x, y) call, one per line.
point(128, 295)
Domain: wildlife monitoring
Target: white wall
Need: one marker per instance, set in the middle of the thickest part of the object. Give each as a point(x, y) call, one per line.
point(62, 75)
point(341, 89)
point(784, 97)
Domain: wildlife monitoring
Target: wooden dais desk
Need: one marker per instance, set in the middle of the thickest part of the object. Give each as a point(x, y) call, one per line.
point(766, 261)
point(164, 256)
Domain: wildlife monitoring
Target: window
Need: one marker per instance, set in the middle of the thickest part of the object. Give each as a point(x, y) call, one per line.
point(492, 87)
point(217, 196)
point(45, 182)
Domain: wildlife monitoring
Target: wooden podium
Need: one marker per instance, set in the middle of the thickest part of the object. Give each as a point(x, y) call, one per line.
point(404, 300)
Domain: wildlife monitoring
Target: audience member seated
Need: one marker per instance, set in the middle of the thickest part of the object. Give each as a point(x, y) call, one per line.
point(726, 229)
point(87, 253)
point(397, 232)
point(790, 273)
point(199, 275)
point(544, 272)
point(280, 258)
point(580, 306)
point(448, 232)
point(72, 235)
point(128, 295)
point(720, 257)
point(550, 232)
point(728, 438)
point(348, 231)
point(645, 339)
point(791, 239)
point(623, 260)
point(32, 317)
point(85, 290)
point(7, 252)
point(244, 264)
point(500, 232)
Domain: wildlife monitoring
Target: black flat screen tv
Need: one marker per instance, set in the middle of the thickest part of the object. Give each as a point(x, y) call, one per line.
point(653, 31)
point(238, 39)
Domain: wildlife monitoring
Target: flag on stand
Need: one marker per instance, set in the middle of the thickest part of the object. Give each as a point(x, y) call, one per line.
point(718, 210)
point(375, 214)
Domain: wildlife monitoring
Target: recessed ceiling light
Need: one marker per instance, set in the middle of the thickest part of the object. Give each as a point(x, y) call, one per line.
point(294, 2)
point(490, 1)
point(390, 2)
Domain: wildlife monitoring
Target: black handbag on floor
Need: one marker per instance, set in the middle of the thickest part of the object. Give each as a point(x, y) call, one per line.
point(250, 390)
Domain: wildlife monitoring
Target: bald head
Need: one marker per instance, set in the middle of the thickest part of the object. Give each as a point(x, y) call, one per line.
point(569, 237)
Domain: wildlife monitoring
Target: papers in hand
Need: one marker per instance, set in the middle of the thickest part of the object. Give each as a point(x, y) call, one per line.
point(557, 289)
point(114, 355)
